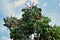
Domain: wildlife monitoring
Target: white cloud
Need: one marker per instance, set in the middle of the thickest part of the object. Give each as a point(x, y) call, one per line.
point(44, 4)
point(53, 19)
point(28, 4)
point(8, 8)
point(51, 23)
point(5, 38)
point(59, 4)
point(19, 15)
point(19, 2)
point(54, 14)
point(34, 1)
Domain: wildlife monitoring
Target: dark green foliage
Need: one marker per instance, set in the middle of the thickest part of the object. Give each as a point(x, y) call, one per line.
point(32, 20)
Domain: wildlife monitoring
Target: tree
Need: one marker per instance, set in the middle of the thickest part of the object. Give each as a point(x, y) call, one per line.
point(31, 21)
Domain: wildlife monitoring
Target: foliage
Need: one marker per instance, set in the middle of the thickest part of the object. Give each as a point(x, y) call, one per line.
point(32, 20)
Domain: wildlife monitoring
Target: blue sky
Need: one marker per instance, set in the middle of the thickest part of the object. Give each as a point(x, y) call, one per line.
point(51, 8)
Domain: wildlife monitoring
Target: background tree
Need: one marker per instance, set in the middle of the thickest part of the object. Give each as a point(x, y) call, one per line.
point(32, 21)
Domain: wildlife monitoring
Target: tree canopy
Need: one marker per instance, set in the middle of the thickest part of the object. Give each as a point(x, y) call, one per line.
point(32, 20)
